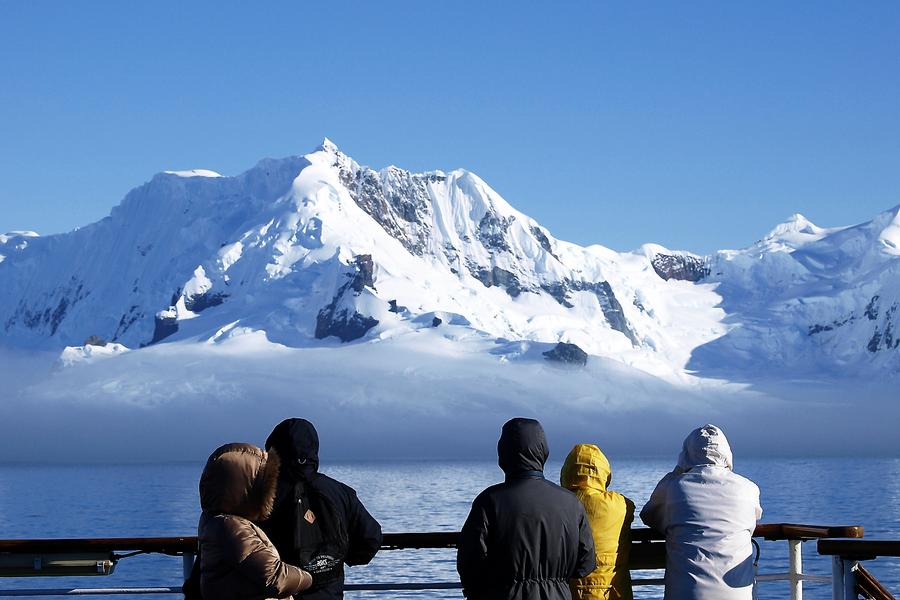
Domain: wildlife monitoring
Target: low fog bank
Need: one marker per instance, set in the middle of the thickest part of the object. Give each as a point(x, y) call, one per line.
point(400, 401)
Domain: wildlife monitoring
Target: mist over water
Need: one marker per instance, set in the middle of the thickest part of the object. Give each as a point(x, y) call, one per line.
point(178, 402)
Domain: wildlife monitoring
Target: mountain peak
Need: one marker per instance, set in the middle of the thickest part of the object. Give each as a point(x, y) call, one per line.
point(327, 146)
point(791, 234)
point(796, 223)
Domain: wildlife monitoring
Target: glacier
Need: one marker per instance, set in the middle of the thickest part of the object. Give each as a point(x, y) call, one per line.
point(423, 300)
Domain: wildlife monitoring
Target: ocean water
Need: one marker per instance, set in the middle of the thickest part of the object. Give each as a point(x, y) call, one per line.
point(161, 500)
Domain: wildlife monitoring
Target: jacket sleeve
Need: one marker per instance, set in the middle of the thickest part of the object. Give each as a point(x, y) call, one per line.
point(758, 509)
point(260, 563)
point(629, 512)
point(653, 513)
point(472, 548)
point(587, 558)
point(364, 532)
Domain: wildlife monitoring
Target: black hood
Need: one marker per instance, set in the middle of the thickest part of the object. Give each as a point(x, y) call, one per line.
point(297, 443)
point(522, 447)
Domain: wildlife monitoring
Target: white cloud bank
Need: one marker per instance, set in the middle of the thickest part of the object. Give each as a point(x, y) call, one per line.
point(424, 396)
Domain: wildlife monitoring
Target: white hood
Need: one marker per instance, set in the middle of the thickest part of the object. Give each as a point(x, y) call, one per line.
point(705, 446)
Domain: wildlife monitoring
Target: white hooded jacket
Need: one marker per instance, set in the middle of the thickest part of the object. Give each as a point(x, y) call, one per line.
point(708, 514)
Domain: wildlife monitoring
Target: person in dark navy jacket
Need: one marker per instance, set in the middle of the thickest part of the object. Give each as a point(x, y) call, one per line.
point(525, 538)
point(297, 443)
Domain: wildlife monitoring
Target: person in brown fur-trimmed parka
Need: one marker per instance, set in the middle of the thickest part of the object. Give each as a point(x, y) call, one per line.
point(237, 560)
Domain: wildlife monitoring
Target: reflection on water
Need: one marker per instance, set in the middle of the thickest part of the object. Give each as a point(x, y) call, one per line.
point(161, 500)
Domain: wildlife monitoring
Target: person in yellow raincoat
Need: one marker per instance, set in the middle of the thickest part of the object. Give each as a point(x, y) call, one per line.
point(587, 473)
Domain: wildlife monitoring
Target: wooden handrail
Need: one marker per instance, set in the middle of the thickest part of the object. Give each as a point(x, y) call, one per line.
point(859, 549)
point(392, 541)
point(158, 545)
point(792, 531)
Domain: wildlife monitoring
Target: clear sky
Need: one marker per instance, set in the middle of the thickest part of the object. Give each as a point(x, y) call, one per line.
point(697, 125)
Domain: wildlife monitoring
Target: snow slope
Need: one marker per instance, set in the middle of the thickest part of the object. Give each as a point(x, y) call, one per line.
point(809, 300)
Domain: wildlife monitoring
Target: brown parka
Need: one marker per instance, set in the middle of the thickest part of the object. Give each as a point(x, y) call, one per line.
point(237, 560)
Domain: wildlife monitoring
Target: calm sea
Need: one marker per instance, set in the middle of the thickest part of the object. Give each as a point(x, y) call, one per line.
point(161, 500)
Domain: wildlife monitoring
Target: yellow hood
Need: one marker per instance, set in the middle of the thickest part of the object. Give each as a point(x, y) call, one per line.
point(586, 467)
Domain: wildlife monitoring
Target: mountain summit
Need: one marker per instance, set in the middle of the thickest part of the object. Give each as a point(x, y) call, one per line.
point(318, 250)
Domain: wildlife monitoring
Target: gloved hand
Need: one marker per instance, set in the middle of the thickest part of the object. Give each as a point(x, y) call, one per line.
point(324, 570)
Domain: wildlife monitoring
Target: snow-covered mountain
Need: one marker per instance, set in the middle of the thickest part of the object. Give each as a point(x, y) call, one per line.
point(317, 250)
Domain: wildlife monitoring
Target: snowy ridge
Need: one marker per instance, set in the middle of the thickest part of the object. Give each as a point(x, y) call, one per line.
point(808, 298)
point(14, 241)
point(318, 250)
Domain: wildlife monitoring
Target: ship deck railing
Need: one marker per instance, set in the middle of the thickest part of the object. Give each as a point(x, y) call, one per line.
point(74, 557)
point(850, 577)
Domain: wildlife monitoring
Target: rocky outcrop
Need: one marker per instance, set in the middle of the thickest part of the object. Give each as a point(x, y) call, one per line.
point(165, 324)
point(365, 273)
point(821, 328)
point(682, 267)
point(872, 308)
point(95, 340)
point(200, 302)
point(883, 338)
point(346, 325)
point(609, 304)
point(495, 276)
point(338, 318)
point(396, 308)
point(492, 230)
point(567, 353)
point(544, 241)
point(398, 201)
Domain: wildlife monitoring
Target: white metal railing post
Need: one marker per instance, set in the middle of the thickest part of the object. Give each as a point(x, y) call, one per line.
point(849, 569)
point(187, 563)
point(795, 556)
point(837, 578)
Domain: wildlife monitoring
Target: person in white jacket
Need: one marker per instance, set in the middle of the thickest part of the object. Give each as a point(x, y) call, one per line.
point(708, 514)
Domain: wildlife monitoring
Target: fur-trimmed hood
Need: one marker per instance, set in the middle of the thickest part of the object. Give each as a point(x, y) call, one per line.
point(240, 479)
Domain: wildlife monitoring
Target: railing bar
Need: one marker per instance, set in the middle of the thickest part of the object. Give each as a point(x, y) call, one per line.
point(437, 585)
point(351, 587)
point(817, 578)
point(787, 577)
point(411, 540)
point(648, 581)
point(89, 591)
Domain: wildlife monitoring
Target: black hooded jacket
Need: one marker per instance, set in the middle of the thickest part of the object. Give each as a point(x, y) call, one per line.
point(297, 443)
point(524, 538)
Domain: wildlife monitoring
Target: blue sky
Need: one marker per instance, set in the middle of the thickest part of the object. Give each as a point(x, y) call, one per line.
point(695, 125)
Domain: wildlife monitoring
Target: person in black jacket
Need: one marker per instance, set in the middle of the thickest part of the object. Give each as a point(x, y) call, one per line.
point(524, 538)
point(297, 443)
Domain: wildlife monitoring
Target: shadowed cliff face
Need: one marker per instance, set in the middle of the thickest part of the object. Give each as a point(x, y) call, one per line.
point(340, 319)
